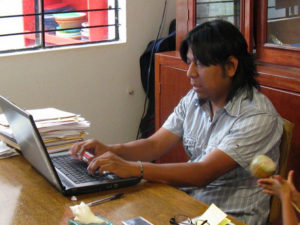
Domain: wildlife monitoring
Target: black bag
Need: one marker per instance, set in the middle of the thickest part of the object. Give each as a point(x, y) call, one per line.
point(168, 43)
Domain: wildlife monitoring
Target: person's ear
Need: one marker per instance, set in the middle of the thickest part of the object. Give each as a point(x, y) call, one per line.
point(231, 66)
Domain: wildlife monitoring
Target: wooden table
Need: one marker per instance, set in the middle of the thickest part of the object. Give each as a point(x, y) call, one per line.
point(27, 198)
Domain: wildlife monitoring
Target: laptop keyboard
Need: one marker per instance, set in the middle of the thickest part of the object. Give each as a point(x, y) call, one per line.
point(76, 170)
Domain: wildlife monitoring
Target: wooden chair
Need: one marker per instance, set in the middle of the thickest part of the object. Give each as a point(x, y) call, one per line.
point(285, 145)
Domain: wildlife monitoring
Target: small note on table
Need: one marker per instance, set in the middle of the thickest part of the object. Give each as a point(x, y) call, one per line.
point(213, 215)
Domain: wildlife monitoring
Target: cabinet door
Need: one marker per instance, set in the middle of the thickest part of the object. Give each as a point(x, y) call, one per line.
point(171, 84)
point(190, 13)
point(278, 34)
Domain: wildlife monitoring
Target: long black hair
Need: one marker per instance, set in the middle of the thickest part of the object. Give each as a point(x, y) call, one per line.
point(213, 42)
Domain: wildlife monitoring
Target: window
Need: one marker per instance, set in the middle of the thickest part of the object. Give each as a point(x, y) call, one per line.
point(36, 24)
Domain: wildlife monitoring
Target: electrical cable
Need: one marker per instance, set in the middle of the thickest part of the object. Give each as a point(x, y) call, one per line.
point(149, 69)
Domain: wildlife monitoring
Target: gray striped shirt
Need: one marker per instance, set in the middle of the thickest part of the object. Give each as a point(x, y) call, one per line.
point(242, 129)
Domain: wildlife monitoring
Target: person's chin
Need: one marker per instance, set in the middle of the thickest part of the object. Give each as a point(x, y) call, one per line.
point(201, 95)
point(202, 98)
point(199, 92)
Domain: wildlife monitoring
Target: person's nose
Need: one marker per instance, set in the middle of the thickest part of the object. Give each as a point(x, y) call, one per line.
point(192, 71)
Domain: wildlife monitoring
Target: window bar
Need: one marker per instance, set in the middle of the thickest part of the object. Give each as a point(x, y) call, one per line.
point(117, 20)
point(43, 25)
point(212, 2)
point(37, 22)
point(209, 2)
point(215, 16)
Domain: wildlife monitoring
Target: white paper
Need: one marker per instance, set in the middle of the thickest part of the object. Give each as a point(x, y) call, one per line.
point(49, 114)
point(51, 123)
point(213, 215)
point(6, 151)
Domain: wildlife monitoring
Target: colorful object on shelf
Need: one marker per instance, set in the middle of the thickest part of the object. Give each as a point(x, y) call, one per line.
point(50, 23)
point(262, 166)
point(65, 24)
point(67, 21)
point(70, 16)
point(72, 33)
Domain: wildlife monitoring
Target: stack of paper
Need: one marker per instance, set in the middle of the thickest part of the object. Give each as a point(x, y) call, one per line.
point(59, 129)
point(6, 151)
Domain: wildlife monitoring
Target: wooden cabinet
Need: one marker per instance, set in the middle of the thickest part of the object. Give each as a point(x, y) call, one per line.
point(171, 84)
point(278, 66)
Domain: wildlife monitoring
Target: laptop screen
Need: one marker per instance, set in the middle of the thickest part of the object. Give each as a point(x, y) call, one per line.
point(29, 140)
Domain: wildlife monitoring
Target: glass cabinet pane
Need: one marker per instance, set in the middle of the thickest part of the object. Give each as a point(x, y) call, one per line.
point(207, 10)
point(283, 22)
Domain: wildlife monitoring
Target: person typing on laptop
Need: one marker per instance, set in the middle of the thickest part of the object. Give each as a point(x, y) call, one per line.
point(69, 176)
point(224, 121)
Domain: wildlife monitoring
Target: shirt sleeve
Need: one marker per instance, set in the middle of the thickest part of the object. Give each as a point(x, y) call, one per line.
point(175, 121)
point(253, 135)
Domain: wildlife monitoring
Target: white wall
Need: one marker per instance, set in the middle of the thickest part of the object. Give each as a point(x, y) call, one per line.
point(91, 81)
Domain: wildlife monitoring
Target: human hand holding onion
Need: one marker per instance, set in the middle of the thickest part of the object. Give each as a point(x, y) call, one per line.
point(264, 168)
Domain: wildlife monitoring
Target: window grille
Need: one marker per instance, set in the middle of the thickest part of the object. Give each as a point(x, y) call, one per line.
point(40, 24)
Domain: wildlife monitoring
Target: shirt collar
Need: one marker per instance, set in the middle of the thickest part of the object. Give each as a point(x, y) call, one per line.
point(233, 107)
